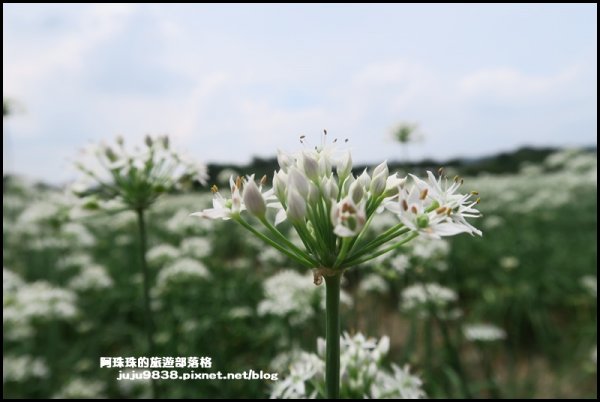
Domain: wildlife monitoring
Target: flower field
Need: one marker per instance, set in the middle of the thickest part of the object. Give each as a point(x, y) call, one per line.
point(509, 314)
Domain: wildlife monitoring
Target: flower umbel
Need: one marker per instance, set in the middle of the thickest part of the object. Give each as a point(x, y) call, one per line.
point(135, 177)
point(331, 208)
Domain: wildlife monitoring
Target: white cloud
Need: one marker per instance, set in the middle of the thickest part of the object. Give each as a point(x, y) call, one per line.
point(224, 96)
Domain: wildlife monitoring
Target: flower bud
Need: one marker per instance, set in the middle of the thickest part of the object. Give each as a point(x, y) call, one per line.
point(284, 160)
point(298, 182)
point(380, 175)
point(324, 166)
point(253, 199)
point(344, 167)
point(280, 184)
point(364, 179)
point(330, 188)
point(393, 185)
point(296, 206)
point(313, 194)
point(382, 167)
point(310, 166)
point(378, 184)
point(356, 192)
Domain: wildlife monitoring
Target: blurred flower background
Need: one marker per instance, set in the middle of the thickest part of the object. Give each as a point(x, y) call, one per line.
point(503, 95)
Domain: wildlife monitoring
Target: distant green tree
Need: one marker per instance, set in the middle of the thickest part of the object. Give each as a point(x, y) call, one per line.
point(406, 133)
point(6, 107)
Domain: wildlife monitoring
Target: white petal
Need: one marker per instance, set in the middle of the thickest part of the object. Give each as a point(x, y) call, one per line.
point(280, 217)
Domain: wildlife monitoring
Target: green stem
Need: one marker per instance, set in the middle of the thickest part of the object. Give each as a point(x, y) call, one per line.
point(285, 240)
point(486, 364)
point(378, 241)
point(273, 243)
point(147, 310)
point(344, 250)
point(332, 354)
point(358, 261)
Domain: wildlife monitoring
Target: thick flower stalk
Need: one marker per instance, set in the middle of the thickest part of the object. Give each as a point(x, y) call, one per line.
point(134, 179)
point(331, 209)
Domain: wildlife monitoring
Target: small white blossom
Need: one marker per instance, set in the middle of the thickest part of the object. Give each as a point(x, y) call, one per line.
point(348, 218)
point(373, 283)
point(483, 333)
point(180, 272)
point(23, 368)
point(161, 254)
point(224, 208)
point(422, 295)
point(81, 388)
point(590, 283)
point(362, 373)
point(93, 277)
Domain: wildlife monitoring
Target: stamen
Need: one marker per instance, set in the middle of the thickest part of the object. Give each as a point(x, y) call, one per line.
point(238, 183)
point(441, 210)
point(424, 193)
point(456, 179)
point(405, 205)
point(474, 192)
point(214, 189)
point(263, 180)
point(414, 210)
point(348, 208)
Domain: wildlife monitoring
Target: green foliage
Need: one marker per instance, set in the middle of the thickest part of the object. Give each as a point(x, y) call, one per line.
point(524, 275)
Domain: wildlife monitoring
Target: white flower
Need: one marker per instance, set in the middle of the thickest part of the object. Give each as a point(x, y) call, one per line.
point(400, 385)
point(180, 272)
point(509, 262)
point(161, 254)
point(81, 388)
point(483, 333)
point(422, 295)
point(290, 294)
point(373, 283)
point(22, 368)
point(94, 277)
point(196, 247)
point(400, 263)
point(10, 281)
point(590, 283)
point(42, 301)
point(347, 218)
point(224, 208)
point(362, 372)
point(411, 208)
point(138, 176)
point(307, 367)
point(426, 208)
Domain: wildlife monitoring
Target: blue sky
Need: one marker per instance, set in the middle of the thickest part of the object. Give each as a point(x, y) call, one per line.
point(228, 82)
